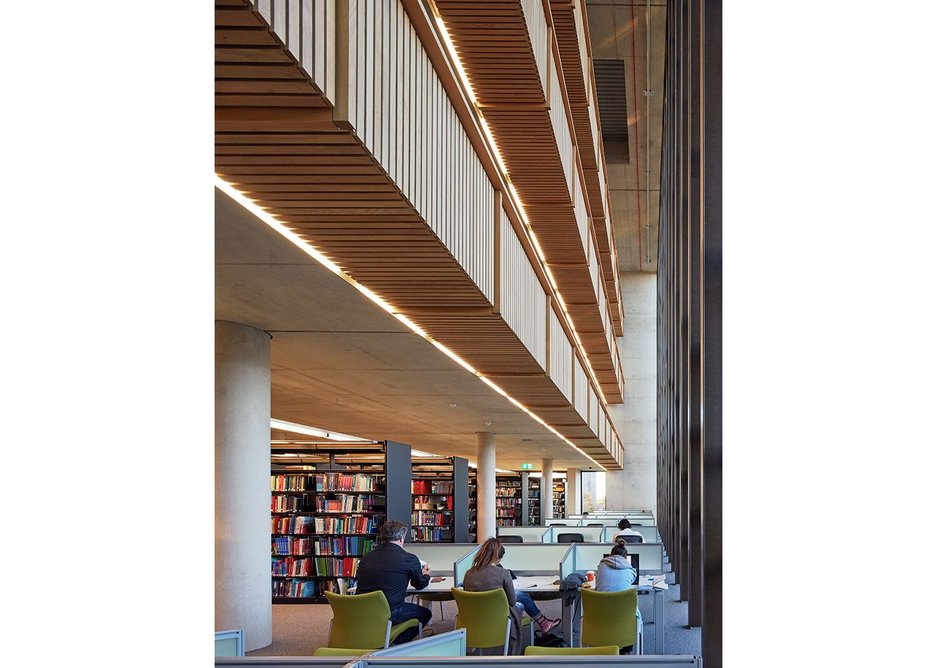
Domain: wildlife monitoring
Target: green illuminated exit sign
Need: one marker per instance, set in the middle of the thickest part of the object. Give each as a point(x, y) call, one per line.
point(526, 467)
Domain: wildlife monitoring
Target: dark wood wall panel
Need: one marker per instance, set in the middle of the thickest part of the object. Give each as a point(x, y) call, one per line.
point(689, 279)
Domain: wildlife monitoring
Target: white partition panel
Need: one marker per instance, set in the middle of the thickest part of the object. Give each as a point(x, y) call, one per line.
point(561, 358)
point(306, 28)
point(593, 410)
point(582, 218)
point(580, 389)
point(523, 301)
point(526, 557)
point(564, 142)
point(527, 534)
point(537, 31)
point(401, 113)
point(440, 556)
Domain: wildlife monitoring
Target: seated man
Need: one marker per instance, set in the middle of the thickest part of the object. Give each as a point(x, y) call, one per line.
point(390, 569)
point(626, 532)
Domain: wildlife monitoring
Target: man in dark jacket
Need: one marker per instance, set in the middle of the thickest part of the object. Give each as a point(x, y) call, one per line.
point(390, 569)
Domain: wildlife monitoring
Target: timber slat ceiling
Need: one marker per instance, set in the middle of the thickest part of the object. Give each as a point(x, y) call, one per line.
point(276, 142)
point(492, 41)
point(567, 41)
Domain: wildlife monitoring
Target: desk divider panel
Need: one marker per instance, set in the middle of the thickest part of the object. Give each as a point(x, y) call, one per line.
point(461, 565)
point(644, 661)
point(588, 556)
point(441, 556)
point(229, 643)
point(568, 563)
point(445, 644)
point(589, 534)
point(527, 534)
point(569, 522)
point(539, 557)
point(649, 533)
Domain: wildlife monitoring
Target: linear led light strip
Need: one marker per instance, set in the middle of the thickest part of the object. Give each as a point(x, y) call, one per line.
point(316, 255)
point(297, 428)
point(518, 203)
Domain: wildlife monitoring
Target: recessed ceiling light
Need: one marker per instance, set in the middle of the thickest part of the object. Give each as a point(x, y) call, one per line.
point(453, 405)
point(487, 423)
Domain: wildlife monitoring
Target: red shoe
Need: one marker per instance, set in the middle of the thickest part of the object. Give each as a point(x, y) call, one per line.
point(546, 625)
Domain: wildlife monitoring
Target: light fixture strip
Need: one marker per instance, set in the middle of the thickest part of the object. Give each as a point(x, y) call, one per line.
point(270, 220)
point(515, 196)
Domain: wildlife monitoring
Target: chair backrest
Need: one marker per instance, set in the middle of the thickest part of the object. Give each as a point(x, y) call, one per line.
point(570, 538)
point(358, 621)
point(608, 618)
point(595, 524)
point(606, 650)
point(484, 615)
point(510, 539)
point(339, 651)
point(633, 539)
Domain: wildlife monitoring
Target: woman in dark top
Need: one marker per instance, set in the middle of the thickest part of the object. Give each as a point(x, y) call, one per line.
point(486, 574)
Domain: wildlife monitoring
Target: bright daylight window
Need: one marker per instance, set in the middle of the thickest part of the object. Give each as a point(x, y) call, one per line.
point(593, 491)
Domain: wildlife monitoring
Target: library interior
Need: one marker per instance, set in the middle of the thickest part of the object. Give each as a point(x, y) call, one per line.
point(468, 333)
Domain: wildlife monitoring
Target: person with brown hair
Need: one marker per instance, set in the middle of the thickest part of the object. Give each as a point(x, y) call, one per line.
point(487, 573)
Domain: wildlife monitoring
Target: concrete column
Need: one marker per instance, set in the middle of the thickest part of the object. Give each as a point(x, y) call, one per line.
point(485, 479)
point(572, 492)
point(546, 491)
point(242, 483)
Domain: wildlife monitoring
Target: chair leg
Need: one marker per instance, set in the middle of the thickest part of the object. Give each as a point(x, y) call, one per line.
point(420, 630)
point(442, 612)
point(507, 635)
point(387, 635)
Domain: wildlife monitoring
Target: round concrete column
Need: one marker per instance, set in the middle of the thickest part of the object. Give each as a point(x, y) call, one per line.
point(242, 483)
point(572, 492)
point(485, 480)
point(546, 491)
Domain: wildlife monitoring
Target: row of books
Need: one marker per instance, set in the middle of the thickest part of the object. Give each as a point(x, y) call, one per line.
point(432, 502)
point(340, 546)
point(507, 491)
point(348, 482)
point(295, 524)
point(306, 588)
point(431, 534)
point(433, 486)
point(505, 503)
point(349, 503)
point(280, 503)
point(309, 566)
point(356, 524)
point(289, 483)
point(435, 519)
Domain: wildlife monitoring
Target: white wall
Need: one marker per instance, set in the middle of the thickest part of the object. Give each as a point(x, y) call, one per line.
point(636, 419)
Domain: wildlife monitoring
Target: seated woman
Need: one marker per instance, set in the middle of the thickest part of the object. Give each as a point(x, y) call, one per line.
point(486, 574)
point(615, 572)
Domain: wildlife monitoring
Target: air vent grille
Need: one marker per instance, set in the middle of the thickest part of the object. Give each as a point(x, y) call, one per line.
point(613, 108)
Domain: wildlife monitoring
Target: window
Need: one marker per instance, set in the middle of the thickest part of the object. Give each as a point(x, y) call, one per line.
point(593, 491)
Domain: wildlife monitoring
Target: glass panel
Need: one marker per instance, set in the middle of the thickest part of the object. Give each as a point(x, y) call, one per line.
point(593, 491)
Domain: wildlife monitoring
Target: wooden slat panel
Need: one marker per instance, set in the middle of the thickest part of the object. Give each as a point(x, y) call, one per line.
point(561, 357)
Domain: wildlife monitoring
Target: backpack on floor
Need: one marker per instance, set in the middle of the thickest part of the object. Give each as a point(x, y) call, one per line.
point(550, 640)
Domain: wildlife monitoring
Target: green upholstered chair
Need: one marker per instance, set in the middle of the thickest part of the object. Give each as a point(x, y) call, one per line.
point(340, 651)
point(533, 650)
point(486, 617)
point(363, 621)
point(608, 618)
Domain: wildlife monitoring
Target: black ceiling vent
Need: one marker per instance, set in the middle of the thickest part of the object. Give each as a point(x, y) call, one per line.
point(613, 110)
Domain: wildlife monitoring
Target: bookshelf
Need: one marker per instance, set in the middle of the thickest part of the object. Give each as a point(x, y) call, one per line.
point(508, 500)
point(559, 498)
point(432, 517)
point(533, 501)
point(327, 501)
point(472, 506)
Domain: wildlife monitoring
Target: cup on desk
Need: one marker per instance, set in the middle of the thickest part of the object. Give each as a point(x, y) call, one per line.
point(590, 576)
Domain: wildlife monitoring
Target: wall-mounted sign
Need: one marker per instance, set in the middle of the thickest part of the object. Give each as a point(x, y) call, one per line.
point(526, 467)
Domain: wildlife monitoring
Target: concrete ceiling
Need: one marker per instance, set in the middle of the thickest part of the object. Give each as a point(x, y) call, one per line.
point(340, 362)
point(618, 29)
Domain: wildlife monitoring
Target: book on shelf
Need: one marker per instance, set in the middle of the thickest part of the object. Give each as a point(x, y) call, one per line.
point(346, 482)
point(427, 534)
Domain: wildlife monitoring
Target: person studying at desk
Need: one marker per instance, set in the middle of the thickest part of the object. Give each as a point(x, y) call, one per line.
point(626, 532)
point(487, 573)
point(391, 569)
